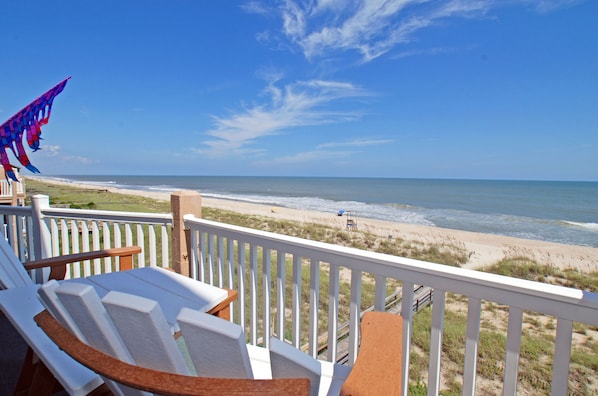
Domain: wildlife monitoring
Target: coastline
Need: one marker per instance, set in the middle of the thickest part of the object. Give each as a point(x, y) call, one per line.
point(484, 249)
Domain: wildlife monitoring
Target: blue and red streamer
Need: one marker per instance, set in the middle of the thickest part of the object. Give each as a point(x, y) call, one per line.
point(28, 121)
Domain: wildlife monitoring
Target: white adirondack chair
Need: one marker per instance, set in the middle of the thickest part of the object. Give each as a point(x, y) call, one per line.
point(138, 325)
point(19, 303)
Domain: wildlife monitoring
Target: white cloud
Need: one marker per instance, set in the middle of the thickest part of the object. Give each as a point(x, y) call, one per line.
point(50, 150)
point(303, 103)
point(309, 156)
point(373, 27)
point(356, 143)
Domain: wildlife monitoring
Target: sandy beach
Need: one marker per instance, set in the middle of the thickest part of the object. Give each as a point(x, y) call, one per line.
point(484, 249)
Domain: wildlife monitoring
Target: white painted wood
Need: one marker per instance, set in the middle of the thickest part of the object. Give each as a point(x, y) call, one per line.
point(152, 246)
point(165, 248)
point(20, 305)
point(133, 315)
point(89, 316)
point(253, 289)
point(12, 272)
point(296, 302)
point(333, 304)
point(354, 315)
point(267, 303)
point(87, 312)
point(241, 288)
point(141, 243)
point(281, 275)
point(289, 362)
point(562, 356)
point(172, 290)
point(434, 369)
point(314, 303)
point(471, 345)
point(107, 244)
point(407, 314)
point(514, 332)
point(217, 347)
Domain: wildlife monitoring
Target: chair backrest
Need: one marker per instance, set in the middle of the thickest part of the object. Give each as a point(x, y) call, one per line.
point(80, 308)
point(216, 347)
point(12, 272)
point(289, 362)
point(156, 349)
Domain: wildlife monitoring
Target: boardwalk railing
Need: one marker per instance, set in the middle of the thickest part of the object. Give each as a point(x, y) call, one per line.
point(305, 291)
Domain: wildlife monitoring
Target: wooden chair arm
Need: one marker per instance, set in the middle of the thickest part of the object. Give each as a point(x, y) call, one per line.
point(58, 264)
point(378, 368)
point(158, 381)
point(222, 310)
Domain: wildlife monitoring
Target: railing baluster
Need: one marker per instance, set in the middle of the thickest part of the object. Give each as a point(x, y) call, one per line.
point(333, 306)
point(140, 242)
point(152, 245)
point(281, 283)
point(241, 281)
point(107, 245)
point(230, 262)
point(74, 228)
point(439, 300)
point(220, 260)
point(210, 263)
point(296, 301)
point(95, 233)
point(407, 314)
point(55, 235)
point(253, 288)
point(512, 354)
point(471, 345)
point(267, 303)
point(562, 356)
point(380, 293)
point(354, 315)
point(165, 250)
point(314, 304)
point(85, 247)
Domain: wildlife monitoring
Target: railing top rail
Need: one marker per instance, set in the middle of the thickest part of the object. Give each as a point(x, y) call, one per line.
point(566, 302)
point(109, 215)
point(16, 210)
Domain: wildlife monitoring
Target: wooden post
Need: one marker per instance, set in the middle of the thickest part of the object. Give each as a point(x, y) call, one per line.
point(182, 203)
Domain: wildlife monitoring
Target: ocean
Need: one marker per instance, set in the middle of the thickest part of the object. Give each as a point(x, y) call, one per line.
point(555, 211)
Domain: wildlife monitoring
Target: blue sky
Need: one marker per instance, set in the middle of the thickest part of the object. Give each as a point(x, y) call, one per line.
point(488, 89)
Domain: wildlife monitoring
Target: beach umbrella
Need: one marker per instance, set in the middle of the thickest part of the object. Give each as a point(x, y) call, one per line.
point(28, 121)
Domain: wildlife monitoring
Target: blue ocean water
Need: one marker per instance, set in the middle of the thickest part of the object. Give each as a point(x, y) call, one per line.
point(556, 211)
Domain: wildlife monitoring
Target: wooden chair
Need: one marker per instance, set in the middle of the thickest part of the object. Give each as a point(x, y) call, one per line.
point(216, 349)
point(139, 324)
point(45, 367)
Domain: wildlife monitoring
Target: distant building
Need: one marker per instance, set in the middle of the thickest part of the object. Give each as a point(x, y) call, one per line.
point(11, 192)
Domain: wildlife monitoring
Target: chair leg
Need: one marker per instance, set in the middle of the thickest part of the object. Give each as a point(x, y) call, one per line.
point(35, 378)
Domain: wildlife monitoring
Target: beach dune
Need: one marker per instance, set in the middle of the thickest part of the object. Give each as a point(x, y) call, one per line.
point(483, 249)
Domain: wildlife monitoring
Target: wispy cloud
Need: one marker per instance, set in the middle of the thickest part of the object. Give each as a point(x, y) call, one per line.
point(304, 103)
point(371, 28)
point(355, 143)
point(309, 156)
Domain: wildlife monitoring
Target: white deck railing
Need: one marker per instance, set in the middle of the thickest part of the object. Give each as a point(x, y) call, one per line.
point(278, 267)
point(273, 273)
point(39, 231)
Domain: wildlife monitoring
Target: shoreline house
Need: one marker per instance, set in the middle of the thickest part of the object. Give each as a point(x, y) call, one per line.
point(12, 193)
